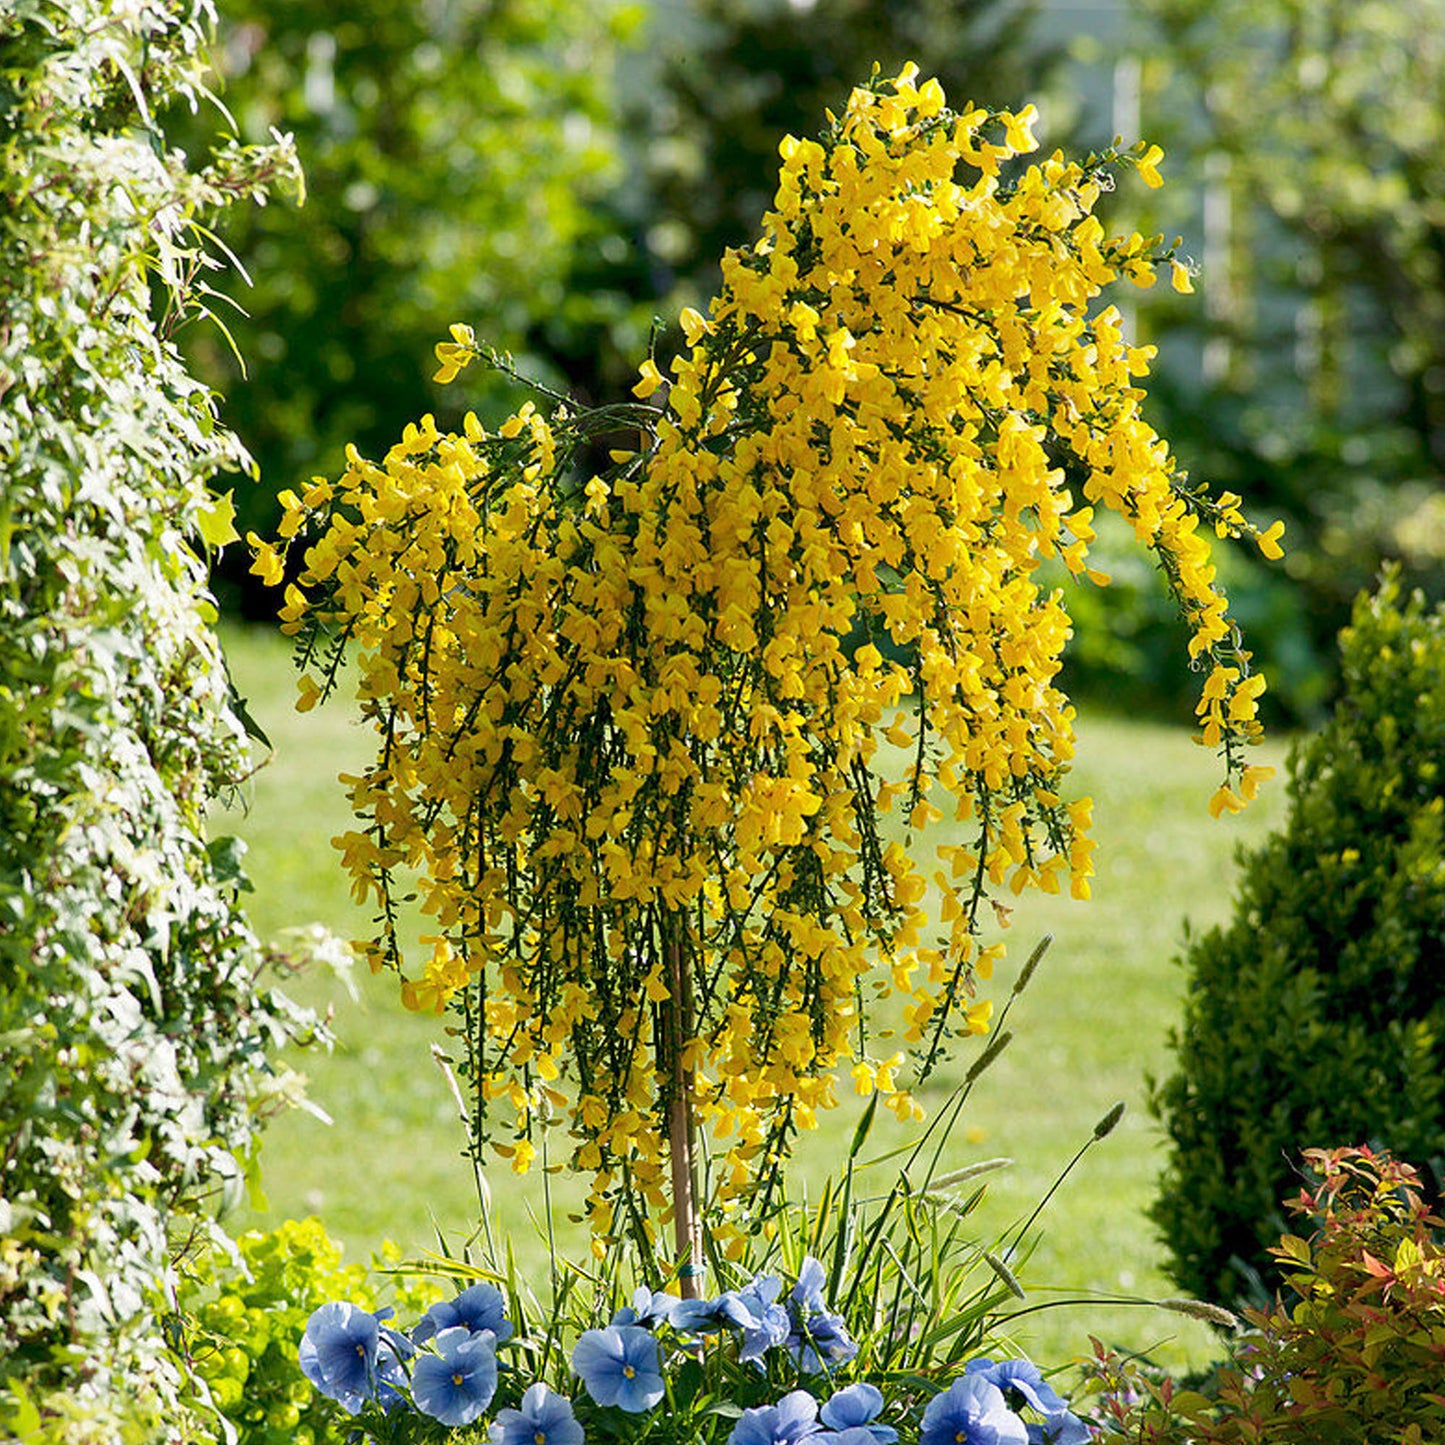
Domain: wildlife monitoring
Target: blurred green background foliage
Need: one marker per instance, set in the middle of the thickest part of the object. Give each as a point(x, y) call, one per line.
point(565, 178)
point(1311, 378)
point(455, 153)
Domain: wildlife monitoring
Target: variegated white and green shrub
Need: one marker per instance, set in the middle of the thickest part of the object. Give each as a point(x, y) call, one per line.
point(136, 1029)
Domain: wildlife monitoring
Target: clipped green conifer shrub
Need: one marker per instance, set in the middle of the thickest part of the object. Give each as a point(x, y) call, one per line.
point(1318, 1012)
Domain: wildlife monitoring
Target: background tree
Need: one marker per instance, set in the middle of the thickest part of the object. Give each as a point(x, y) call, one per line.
point(1315, 371)
point(451, 155)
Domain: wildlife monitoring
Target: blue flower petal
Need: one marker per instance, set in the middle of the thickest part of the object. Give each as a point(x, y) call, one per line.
point(852, 1405)
point(1062, 1428)
point(972, 1411)
point(479, 1307)
point(807, 1293)
point(1023, 1376)
point(338, 1353)
point(793, 1418)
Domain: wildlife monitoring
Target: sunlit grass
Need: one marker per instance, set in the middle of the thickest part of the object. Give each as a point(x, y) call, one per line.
point(1090, 1028)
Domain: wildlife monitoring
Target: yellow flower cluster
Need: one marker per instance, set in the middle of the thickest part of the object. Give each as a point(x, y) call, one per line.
point(632, 728)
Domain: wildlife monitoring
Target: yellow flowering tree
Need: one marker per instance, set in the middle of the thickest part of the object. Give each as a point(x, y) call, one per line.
point(632, 726)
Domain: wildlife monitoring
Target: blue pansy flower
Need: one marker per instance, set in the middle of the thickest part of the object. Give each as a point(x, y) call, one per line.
point(545, 1419)
point(1020, 1375)
point(621, 1366)
point(456, 1384)
point(972, 1411)
point(818, 1339)
point(480, 1307)
point(857, 1407)
point(753, 1312)
point(807, 1292)
point(793, 1418)
point(853, 1435)
point(1065, 1428)
point(696, 1317)
point(648, 1308)
point(350, 1357)
point(821, 1343)
point(1060, 1426)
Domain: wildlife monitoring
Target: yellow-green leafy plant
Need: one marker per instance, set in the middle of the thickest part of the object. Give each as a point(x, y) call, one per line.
point(240, 1318)
point(632, 726)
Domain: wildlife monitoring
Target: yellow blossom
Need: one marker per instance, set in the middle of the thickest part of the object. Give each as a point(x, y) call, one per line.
point(1268, 541)
point(1148, 165)
point(266, 563)
point(694, 325)
point(651, 380)
point(455, 355)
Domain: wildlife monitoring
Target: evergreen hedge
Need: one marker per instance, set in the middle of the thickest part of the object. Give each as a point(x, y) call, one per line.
point(1316, 1017)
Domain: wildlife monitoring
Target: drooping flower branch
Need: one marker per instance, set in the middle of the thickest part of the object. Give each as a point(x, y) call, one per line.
point(639, 731)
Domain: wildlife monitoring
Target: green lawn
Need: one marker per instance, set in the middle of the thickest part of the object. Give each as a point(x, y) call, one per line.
point(1091, 1026)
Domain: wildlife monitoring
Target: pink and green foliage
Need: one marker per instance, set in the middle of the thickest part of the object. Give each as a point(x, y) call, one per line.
point(1353, 1351)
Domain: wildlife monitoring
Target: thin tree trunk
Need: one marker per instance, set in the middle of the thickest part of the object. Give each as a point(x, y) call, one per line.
point(677, 1022)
